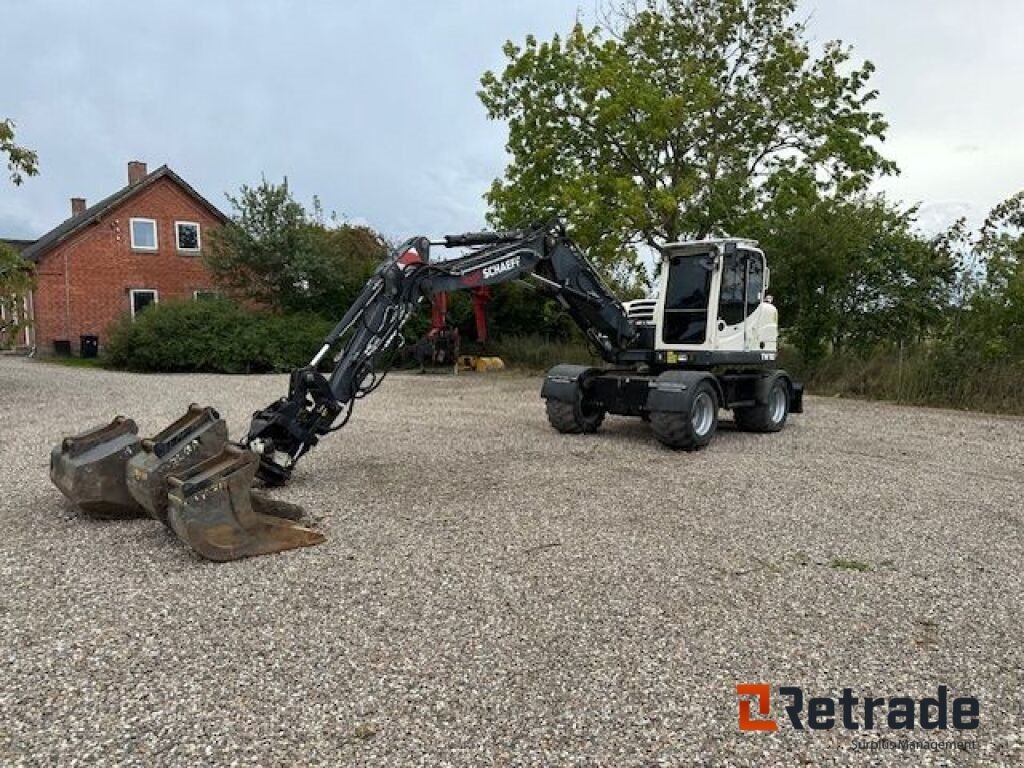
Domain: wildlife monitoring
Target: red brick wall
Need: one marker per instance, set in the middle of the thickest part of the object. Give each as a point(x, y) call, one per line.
point(96, 268)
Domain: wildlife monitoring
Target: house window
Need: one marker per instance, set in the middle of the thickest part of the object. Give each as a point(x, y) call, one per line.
point(142, 298)
point(143, 234)
point(205, 295)
point(187, 233)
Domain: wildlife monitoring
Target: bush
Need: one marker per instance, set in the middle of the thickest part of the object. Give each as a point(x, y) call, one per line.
point(538, 353)
point(935, 374)
point(215, 336)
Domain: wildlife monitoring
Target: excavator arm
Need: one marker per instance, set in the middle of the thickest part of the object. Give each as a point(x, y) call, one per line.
point(363, 342)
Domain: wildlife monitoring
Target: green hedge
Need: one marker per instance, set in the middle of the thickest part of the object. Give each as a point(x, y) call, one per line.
point(216, 336)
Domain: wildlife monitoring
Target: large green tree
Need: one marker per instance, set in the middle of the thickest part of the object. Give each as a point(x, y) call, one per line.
point(668, 122)
point(21, 162)
point(276, 253)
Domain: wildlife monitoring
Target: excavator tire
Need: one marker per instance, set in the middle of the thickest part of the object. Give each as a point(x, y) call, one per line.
point(573, 418)
point(692, 429)
point(769, 416)
point(211, 508)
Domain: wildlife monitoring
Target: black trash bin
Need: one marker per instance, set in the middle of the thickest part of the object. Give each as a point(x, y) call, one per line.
point(90, 345)
point(62, 347)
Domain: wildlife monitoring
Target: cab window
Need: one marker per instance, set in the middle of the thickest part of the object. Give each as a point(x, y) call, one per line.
point(686, 299)
point(755, 282)
point(742, 286)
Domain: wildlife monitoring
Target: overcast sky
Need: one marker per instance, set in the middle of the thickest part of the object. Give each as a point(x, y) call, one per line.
point(372, 105)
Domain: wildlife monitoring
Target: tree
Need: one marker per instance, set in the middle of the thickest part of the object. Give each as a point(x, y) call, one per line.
point(16, 280)
point(21, 162)
point(993, 323)
point(668, 122)
point(275, 253)
point(851, 272)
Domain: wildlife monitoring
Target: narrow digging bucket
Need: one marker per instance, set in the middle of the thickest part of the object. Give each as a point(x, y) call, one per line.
point(213, 510)
point(195, 437)
point(90, 469)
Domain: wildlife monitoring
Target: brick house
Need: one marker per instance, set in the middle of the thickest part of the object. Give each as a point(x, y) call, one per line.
point(141, 245)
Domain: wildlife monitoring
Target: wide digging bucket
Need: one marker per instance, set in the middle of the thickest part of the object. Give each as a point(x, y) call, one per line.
point(90, 469)
point(195, 437)
point(213, 510)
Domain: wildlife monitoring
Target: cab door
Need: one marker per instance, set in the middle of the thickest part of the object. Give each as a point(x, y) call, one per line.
point(740, 295)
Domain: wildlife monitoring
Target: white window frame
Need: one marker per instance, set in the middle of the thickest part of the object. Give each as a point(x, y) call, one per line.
point(131, 234)
point(195, 293)
point(131, 297)
point(199, 237)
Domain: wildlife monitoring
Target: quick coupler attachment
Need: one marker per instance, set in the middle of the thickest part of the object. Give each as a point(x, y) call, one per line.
point(213, 510)
point(90, 469)
point(195, 437)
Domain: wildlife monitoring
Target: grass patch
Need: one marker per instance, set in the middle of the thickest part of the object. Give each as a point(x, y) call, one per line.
point(846, 564)
point(927, 375)
point(75, 362)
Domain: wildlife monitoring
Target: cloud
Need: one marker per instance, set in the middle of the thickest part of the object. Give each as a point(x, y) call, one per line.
point(17, 227)
point(373, 107)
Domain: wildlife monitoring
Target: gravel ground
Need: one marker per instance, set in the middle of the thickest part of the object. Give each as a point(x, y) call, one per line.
point(494, 593)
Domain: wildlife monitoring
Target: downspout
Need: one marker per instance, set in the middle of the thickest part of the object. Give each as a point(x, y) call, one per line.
point(30, 331)
point(67, 298)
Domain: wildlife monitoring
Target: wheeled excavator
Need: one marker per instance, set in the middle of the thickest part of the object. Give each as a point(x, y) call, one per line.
point(706, 341)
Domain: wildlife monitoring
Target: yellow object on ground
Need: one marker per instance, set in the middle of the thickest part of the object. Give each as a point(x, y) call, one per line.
point(480, 364)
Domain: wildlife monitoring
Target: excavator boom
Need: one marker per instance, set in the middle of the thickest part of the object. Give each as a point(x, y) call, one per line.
point(362, 342)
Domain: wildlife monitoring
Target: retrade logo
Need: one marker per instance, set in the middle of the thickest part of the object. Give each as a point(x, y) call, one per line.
point(820, 713)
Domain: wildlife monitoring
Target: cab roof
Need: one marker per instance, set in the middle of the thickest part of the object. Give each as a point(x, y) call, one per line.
point(703, 246)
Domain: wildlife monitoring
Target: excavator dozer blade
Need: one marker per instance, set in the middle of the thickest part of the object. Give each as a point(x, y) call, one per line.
point(213, 510)
point(90, 469)
point(195, 437)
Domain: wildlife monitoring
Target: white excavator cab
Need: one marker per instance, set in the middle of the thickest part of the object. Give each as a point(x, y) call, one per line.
point(711, 306)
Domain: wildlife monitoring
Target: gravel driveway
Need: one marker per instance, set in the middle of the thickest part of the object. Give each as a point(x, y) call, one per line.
point(494, 593)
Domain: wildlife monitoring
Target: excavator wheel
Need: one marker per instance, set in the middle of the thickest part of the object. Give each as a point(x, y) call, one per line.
point(212, 509)
point(693, 429)
point(573, 418)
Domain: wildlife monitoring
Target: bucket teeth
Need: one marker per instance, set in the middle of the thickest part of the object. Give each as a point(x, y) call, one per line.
point(195, 437)
point(89, 469)
point(212, 509)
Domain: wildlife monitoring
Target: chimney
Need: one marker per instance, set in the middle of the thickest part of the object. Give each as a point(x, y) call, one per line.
point(136, 171)
point(77, 205)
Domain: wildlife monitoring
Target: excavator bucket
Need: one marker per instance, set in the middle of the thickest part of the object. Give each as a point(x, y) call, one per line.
point(213, 510)
point(90, 469)
point(195, 437)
